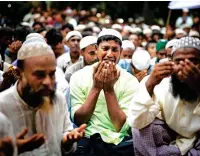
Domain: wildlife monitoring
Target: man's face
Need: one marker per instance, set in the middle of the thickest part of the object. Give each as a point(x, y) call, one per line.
point(126, 53)
point(39, 75)
point(73, 41)
point(134, 39)
point(90, 54)
point(109, 51)
point(75, 51)
point(179, 85)
point(161, 54)
point(152, 49)
point(37, 27)
point(58, 49)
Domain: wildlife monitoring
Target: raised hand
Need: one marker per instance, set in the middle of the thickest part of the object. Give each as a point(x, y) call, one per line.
point(74, 136)
point(98, 75)
point(30, 143)
point(110, 76)
point(141, 74)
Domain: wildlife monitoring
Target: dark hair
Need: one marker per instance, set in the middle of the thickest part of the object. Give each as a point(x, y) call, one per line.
point(38, 23)
point(53, 37)
point(21, 32)
point(6, 31)
point(69, 26)
point(108, 38)
point(148, 44)
point(41, 30)
point(20, 64)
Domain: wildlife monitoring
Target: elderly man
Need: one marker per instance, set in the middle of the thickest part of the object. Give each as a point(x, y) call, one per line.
point(73, 42)
point(171, 93)
point(34, 105)
point(100, 96)
point(88, 46)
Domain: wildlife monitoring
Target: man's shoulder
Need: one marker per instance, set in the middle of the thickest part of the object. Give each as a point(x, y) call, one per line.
point(64, 57)
point(75, 67)
point(126, 76)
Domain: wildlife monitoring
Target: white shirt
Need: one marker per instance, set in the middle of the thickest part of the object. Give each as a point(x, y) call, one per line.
point(6, 130)
point(53, 124)
point(61, 83)
point(179, 115)
point(1, 76)
point(64, 61)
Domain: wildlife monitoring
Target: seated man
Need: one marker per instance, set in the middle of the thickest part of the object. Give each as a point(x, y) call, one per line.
point(88, 51)
point(33, 104)
point(100, 96)
point(172, 93)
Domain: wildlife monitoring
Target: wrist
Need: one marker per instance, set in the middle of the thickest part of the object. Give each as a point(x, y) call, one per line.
point(109, 90)
point(96, 90)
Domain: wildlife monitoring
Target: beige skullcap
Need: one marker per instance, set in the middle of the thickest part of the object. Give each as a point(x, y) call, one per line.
point(33, 49)
point(73, 33)
point(106, 32)
point(88, 40)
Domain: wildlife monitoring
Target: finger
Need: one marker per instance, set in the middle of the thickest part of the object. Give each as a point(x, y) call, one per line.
point(96, 67)
point(99, 70)
point(191, 67)
point(22, 134)
point(81, 128)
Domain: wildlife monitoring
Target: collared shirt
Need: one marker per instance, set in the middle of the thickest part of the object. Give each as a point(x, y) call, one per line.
point(80, 85)
point(181, 116)
point(64, 61)
point(54, 124)
point(72, 69)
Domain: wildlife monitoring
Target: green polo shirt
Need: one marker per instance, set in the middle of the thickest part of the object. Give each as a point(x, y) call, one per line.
point(80, 85)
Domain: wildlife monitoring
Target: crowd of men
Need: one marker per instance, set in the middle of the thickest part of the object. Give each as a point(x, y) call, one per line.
point(84, 89)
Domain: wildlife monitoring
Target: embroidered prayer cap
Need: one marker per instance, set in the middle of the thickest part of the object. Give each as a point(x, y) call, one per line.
point(186, 42)
point(32, 48)
point(73, 33)
point(106, 32)
point(128, 44)
point(141, 59)
point(34, 35)
point(86, 41)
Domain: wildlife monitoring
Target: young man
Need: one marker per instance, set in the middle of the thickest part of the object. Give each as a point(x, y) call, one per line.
point(171, 93)
point(161, 53)
point(100, 96)
point(88, 46)
point(34, 105)
point(128, 49)
point(73, 42)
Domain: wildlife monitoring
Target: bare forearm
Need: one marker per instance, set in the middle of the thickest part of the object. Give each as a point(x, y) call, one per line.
point(84, 113)
point(117, 116)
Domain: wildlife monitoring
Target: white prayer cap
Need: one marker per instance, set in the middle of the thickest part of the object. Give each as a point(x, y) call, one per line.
point(33, 49)
point(147, 31)
point(116, 26)
point(73, 33)
point(136, 30)
point(155, 27)
point(128, 44)
point(185, 10)
point(80, 27)
point(128, 28)
point(86, 41)
point(34, 35)
point(180, 31)
point(35, 16)
point(26, 24)
point(141, 59)
point(186, 42)
point(171, 43)
point(91, 24)
point(193, 33)
point(185, 26)
point(112, 32)
point(96, 29)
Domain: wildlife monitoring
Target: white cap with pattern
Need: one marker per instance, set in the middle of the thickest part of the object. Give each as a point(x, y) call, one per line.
point(86, 41)
point(186, 42)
